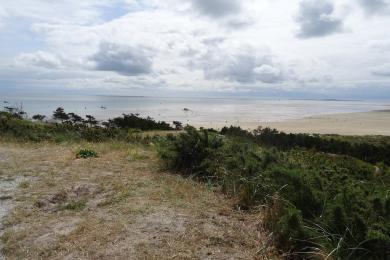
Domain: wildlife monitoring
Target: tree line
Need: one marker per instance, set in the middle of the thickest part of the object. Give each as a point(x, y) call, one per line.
point(124, 122)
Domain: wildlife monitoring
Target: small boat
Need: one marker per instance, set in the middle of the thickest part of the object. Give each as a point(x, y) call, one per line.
point(103, 107)
point(186, 109)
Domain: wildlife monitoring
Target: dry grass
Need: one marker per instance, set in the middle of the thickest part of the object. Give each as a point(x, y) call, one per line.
point(118, 206)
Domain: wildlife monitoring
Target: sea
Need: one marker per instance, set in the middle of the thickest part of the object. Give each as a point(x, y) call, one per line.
point(192, 110)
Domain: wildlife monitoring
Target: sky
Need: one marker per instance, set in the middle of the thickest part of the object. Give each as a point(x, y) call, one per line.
point(302, 48)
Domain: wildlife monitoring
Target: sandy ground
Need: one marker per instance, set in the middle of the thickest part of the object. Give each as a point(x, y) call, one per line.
point(117, 206)
point(365, 123)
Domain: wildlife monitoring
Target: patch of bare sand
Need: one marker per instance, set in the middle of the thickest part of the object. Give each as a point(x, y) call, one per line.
point(8, 185)
point(119, 206)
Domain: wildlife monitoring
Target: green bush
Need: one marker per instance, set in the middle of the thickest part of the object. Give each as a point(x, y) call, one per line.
point(86, 153)
point(326, 203)
point(134, 121)
point(191, 152)
point(370, 149)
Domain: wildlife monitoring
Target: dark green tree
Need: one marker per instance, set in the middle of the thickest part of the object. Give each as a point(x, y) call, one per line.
point(76, 119)
point(178, 125)
point(38, 117)
point(60, 114)
point(91, 120)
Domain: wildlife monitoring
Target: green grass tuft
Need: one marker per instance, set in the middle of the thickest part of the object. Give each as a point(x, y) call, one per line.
point(86, 153)
point(73, 205)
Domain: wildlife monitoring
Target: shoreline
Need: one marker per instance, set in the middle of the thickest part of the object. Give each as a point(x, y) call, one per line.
point(375, 122)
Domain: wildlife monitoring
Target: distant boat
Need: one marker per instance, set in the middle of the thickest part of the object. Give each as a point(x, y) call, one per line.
point(186, 109)
point(103, 107)
point(5, 102)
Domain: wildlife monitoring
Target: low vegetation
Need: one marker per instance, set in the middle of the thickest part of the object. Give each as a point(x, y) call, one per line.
point(136, 122)
point(69, 126)
point(370, 149)
point(86, 153)
point(325, 196)
point(317, 203)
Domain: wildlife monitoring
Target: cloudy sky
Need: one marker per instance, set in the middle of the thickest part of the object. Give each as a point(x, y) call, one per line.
point(236, 47)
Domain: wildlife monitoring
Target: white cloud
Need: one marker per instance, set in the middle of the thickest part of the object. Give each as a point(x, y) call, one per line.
point(375, 7)
point(246, 65)
point(316, 19)
point(268, 74)
point(126, 60)
point(380, 45)
point(60, 12)
point(383, 70)
point(3, 16)
point(40, 59)
point(217, 8)
point(196, 44)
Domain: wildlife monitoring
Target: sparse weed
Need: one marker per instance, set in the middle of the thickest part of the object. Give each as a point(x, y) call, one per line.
point(24, 184)
point(74, 205)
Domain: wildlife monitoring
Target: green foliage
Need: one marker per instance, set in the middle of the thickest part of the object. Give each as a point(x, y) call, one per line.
point(72, 128)
point(135, 122)
point(192, 151)
point(316, 201)
point(178, 125)
point(86, 153)
point(373, 149)
point(75, 119)
point(38, 117)
point(59, 114)
point(91, 120)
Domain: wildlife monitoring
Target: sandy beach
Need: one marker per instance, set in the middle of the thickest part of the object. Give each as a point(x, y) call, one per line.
point(367, 123)
point(364, 123)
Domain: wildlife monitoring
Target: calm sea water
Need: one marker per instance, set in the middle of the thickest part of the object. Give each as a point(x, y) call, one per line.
point(197, 111)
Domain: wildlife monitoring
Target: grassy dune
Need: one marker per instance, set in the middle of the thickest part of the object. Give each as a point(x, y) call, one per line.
point(117, 206)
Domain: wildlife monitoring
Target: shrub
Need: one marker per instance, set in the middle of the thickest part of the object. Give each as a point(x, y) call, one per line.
point(363, 149)
point(335, 204)
point(38, 117)
point(136, 122)
point(86, 153)
point(191, 152)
